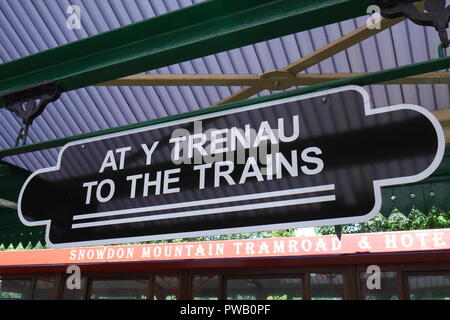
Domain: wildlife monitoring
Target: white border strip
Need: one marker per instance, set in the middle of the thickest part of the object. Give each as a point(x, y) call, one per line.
point(262, 195)
point(192, 213)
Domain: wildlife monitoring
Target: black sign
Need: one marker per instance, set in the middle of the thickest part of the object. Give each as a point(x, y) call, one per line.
point(317, 159)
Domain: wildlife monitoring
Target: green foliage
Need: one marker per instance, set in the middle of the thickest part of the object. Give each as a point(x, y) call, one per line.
point(397, 221)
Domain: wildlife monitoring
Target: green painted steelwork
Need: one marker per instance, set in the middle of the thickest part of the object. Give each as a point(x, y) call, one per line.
point(4, 170)
point(195, 31)
point(365, 79)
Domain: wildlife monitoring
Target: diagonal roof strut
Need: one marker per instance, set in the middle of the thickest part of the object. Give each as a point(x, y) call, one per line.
point(325, 52)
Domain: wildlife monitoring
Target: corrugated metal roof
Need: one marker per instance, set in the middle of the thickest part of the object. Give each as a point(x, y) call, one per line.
point(29, 27)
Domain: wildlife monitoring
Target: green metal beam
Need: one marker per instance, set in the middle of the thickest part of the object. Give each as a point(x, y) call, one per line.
point(196, 31)
point(362, 80)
